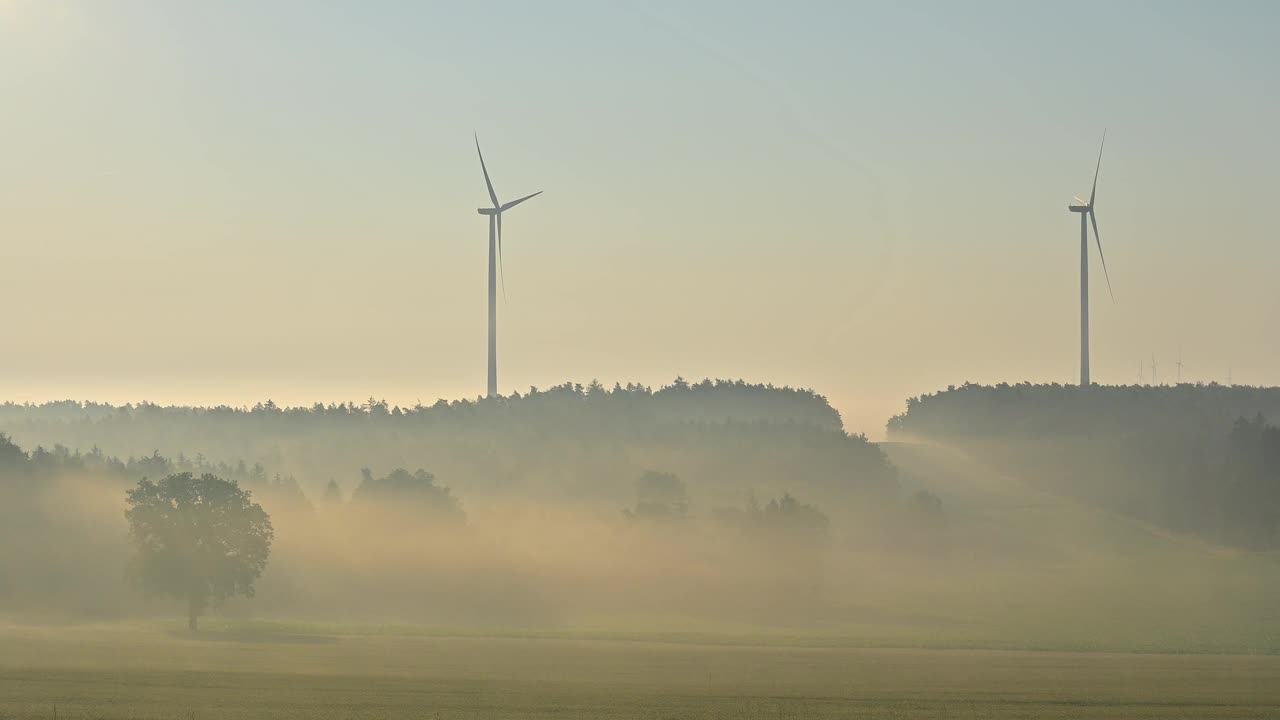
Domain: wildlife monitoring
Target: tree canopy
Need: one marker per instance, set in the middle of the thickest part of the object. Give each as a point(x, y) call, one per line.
point(660, 496)
point(200, 539)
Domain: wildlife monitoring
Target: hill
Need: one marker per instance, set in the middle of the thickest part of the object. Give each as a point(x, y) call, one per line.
point(1199, 459)
point(584, 442)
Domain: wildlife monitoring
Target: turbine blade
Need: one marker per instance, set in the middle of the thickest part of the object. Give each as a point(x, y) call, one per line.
point(514, 203)
point(1094, 192)
point(492, 195)
point(1093, 219)
point(502, 274)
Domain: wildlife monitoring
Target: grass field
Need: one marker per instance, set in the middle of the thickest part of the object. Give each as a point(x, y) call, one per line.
point(148, 671)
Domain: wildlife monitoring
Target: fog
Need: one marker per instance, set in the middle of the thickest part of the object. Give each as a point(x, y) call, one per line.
point(510, 562)
point(607, 518)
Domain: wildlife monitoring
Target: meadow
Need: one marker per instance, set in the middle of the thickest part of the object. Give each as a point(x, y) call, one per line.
point(231, 671)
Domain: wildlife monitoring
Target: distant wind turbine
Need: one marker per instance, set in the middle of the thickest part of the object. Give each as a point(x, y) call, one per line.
point(1155, 378)
point(495, 239)
point(1179, 364)
point(1086, 218)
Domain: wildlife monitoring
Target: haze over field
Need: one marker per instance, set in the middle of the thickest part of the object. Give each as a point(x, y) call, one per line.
point(705, 510)
point(717, 360)
point(554, 577)
point(230, 202)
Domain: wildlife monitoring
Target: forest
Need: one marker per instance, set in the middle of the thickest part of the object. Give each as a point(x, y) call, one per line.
point(1200, 459)
point(570, 440)
point(422, 514)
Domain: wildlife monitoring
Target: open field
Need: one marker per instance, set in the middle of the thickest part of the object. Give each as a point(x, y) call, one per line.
point(147, 671)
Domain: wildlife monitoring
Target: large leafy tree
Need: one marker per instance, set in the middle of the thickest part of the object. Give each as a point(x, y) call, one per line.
point(200, 539)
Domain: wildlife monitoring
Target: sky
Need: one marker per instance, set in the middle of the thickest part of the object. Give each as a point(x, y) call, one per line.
point(223, 203)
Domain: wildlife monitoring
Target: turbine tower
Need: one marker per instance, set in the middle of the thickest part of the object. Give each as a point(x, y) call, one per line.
point(495, 241)
point(1086, 218)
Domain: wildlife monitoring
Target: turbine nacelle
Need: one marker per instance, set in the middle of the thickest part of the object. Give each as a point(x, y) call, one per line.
point(506, 206)
point(495, 213)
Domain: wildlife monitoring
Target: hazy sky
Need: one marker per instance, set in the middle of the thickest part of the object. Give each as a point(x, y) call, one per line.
point(224, 202)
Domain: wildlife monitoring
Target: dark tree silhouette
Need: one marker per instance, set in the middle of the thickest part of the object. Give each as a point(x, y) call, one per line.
point(788, 516)
point(12, 458)
point(200, 539)
point(660, 496)
point(413, 494)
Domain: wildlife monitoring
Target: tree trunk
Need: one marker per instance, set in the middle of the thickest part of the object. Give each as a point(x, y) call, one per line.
point(193, 611)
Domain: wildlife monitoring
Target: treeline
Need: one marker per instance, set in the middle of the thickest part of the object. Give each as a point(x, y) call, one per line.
point(22, 471)
point(402, 545)
point(61, 518)
point(571, 442)
point(1032, 409)
point(1200, 459)
point(23, 474)
point(566, 406)
point(506, 509)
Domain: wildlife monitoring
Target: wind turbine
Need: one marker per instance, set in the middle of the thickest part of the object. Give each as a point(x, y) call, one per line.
point(495, 240)
point(1086, 217)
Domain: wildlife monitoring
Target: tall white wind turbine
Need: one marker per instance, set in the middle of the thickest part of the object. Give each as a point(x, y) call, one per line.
point(495, 242)
point(1087, 217)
